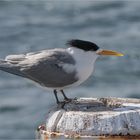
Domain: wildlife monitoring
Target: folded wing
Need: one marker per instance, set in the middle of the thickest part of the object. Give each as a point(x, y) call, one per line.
point(45, 67)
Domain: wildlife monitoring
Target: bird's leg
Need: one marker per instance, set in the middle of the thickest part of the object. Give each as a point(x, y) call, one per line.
point(56, 97)
point(65, 97)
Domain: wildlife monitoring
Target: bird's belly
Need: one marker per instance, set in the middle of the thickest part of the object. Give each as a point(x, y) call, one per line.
point(84, 74)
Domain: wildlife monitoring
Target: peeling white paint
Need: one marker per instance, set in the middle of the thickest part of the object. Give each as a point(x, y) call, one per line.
point(91, 117)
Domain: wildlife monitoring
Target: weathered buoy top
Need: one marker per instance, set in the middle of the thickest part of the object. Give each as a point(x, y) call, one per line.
point(88, 117)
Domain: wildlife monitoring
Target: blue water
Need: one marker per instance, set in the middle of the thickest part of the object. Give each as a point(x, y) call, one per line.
point(38, 24)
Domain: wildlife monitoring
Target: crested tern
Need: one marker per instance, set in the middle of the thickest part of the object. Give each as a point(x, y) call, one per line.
point(58, 68)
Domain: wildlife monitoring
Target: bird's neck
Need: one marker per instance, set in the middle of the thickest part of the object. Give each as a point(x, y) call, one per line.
point(84, 63)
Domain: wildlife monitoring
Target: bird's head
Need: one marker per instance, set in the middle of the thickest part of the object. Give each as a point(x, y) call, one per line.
point(92, 47)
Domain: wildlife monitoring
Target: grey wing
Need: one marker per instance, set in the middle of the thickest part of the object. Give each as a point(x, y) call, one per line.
point(44, 67)
point(11, 64)
point(14, 63)
point(47, 69)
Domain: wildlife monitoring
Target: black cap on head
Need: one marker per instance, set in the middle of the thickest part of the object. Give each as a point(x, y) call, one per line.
point(84, 45)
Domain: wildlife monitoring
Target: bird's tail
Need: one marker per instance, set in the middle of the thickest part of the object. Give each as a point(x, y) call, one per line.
point(10, 68)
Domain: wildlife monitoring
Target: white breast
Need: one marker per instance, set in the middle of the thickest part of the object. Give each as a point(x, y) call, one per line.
point(84, 63)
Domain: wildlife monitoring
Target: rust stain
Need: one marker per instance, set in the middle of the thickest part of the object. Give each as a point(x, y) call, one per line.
point(120, 138)
point(49, 135)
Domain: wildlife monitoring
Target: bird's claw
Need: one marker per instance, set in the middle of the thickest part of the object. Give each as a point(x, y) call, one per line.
point(65, 101)
point(61, 104)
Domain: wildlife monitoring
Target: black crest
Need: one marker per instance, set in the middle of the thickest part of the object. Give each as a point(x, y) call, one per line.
point(81, 44)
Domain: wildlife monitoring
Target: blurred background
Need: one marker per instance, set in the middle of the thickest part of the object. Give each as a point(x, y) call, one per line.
point(34, 25)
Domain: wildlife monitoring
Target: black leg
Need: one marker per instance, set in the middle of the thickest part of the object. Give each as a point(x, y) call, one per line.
point(65, 97)
point(56, 97)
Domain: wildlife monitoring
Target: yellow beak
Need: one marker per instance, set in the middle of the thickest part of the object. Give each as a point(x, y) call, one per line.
point(109, 52)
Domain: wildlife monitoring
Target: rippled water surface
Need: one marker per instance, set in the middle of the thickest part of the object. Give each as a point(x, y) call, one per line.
point(36, 24)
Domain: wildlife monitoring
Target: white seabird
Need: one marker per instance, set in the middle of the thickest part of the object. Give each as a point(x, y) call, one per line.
point(57, 68)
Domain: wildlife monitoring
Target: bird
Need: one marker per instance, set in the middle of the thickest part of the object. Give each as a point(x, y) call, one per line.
point(58, 68)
